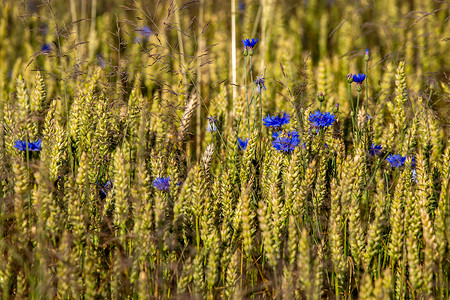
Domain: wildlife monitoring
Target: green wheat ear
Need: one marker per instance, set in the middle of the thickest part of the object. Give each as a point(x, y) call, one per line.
point(396, 243)
point(336, 238)
point(442, 212)
point(401, 96)
point(21, 202)
point(38, 96)
point(121, 190)
point(305, 265)
point(378, 224)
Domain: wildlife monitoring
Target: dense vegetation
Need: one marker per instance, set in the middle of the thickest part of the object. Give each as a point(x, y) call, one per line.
point(146, 152)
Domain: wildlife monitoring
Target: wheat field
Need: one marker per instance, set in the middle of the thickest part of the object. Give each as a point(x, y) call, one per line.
point(257, 149)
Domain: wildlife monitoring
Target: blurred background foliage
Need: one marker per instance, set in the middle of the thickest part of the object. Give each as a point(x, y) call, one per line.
point(309, 46)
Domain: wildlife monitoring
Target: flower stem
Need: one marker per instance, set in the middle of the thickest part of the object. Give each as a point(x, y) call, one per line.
point(246, 94)
point(251, 75)
point(367, 89)
point(353, 107)
point(29, 177)
point(253, 88)
point(197, 233)
point(357, 103)
point(261, 117)
point(336, 286)
point(355, 115)
point(255, 110)
point(260, 127)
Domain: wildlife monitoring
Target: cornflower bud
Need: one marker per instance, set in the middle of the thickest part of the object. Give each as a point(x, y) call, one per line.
point(321, 97)
point(349, 78)
point(248, 46)
point(336, 109)
point(367, 56)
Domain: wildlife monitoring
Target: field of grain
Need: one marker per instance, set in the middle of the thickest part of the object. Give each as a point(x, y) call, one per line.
point(241, 149)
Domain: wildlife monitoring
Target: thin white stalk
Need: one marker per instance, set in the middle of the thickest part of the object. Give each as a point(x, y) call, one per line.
point(199, 76)
point(180, 41)
point(73, 13)
point(92, 33)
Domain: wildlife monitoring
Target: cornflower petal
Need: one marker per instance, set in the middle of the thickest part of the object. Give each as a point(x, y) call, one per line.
point(249, 43)
point(32, 146)
point(359, 78)
point(375, 149)
point(276, 121)
point(321, 120)
point(162, 183)
point(211, 124)
point(260, 83)
point(242, 144)
point(285, 141)
point(396, 160)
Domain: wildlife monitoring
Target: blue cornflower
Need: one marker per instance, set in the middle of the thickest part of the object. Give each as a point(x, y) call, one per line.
point(46, 48)
point(241, 6)
point(104, 189)
point(375, 149)
point(145, 31)
point(32, 146)
point(162, 183)
point(413, 162)
point(414, 176)
point(321, 120)
point(359, 78)
point(276, 121)
point(285, 141)
point(260, 83)
point(249, 43)
point(100, 60)
point(211, 124)
point(44, 29)
point(242, 144)
point(396, 160)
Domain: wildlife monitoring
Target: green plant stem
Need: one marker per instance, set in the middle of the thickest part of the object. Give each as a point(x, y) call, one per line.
point(197, 234)
point(260, 127)
point(367, 88)
point(246, 94)
point(355, 114)
point(353, 106)
point(336, 286)
point(345, 236)
point(251, 76)
point(29, 177)
point(429, 96)
point(242, 265)
point(255, 111)
point(253, 89)
point(261, 117)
